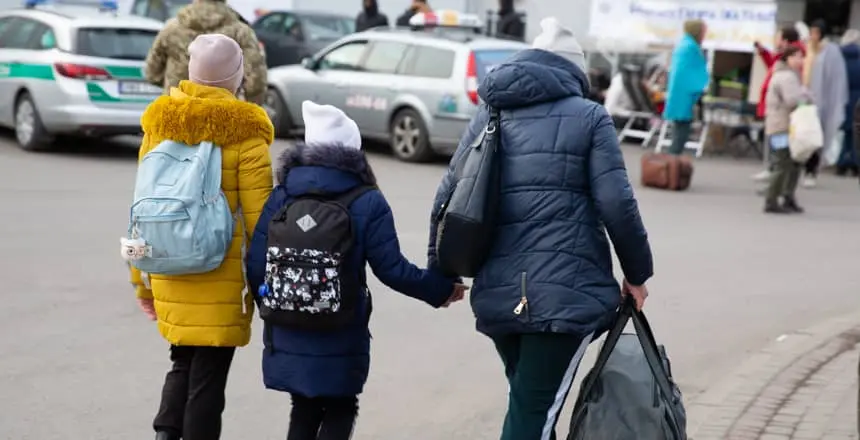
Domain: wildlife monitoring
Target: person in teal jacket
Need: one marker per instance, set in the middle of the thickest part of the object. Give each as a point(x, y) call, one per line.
point(688, 77)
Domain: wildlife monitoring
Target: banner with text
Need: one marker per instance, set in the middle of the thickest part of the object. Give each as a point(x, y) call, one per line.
point(732, 26)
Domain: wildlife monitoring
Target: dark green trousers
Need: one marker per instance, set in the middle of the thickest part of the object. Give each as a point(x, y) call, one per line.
point(681, 131)
point(783, 180)
point(540, 369)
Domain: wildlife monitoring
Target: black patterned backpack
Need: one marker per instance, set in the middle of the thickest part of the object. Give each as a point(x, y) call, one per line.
point(305, 285)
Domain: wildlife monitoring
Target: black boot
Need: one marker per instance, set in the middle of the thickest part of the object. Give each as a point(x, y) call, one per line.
point(166, 436)
point(771, 207)
point(790, 205)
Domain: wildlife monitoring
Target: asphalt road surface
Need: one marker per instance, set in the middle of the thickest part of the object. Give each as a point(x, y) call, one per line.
point(80, 362)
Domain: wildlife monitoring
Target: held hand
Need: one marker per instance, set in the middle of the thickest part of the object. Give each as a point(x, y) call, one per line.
point(639, 293)
point(148, 307)
point(458, 294)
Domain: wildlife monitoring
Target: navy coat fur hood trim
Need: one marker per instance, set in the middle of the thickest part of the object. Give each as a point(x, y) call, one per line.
point(340, 158)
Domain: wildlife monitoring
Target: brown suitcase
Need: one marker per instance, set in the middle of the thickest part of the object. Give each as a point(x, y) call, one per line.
point(666, 171)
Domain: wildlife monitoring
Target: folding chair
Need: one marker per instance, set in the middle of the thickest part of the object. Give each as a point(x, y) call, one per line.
point(643, 112)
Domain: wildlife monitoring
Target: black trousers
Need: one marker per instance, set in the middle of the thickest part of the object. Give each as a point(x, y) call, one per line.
point(811, 166)
point(322, 418)
point(193, 396)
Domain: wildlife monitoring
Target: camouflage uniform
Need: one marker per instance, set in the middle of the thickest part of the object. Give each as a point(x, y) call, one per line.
point(167, 62)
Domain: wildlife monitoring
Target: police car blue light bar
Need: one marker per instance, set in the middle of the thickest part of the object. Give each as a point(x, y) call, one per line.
point(445, 18)
point(104, 5)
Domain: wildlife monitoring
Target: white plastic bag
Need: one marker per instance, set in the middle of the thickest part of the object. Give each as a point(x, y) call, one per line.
point(805, 135)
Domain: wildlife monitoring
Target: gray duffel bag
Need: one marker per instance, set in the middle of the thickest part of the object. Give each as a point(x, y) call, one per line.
point(629, 394)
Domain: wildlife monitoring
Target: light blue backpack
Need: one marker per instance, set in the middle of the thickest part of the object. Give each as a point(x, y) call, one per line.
point(180, 220)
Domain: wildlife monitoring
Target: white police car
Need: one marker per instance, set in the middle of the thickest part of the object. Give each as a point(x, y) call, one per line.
point(73, 68)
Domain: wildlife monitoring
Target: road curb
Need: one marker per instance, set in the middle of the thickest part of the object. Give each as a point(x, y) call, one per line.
point(724, 403)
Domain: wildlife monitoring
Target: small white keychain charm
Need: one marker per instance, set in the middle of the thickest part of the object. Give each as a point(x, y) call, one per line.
point(132, 249)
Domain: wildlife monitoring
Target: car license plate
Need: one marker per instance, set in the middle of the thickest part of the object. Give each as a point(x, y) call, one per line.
point(138, 88)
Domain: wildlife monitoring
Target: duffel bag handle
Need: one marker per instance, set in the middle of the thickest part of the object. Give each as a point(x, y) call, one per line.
point(628, 311)
point(622, 317)
point(652, 352)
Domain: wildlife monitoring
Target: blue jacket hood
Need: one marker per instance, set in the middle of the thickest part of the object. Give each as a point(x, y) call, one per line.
point(531, 77)
point(851, 51)
point(331, 169)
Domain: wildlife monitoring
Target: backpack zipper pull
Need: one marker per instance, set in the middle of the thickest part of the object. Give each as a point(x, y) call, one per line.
point(519, 308)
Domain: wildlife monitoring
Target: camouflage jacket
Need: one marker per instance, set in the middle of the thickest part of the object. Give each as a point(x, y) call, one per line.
point(167, 62)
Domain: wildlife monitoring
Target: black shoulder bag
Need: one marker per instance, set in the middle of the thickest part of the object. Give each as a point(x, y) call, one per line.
point(467, 220)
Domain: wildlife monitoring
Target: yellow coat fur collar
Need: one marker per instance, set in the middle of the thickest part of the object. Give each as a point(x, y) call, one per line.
point(194, 113)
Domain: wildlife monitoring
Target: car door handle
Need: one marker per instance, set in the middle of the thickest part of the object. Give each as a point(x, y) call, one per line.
point(340, 85)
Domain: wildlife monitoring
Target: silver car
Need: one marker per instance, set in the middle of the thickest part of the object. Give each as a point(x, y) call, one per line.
point(68, 69)
point(415, 89)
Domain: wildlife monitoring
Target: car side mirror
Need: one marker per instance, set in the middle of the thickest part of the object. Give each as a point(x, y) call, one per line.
point(308, 63)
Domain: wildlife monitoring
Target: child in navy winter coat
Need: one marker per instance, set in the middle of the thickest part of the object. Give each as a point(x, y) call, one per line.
point(325, 371)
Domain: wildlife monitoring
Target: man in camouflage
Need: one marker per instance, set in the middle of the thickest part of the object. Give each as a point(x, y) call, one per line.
point(167, 62)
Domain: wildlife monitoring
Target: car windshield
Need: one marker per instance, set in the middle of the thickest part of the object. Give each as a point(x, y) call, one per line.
point(322, 27)
point(173, 7)
point(125, 44)
point(486, 60)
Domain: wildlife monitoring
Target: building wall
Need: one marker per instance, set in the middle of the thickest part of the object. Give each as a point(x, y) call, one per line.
point(576, 13)
point(854, 18)
point(790, 11)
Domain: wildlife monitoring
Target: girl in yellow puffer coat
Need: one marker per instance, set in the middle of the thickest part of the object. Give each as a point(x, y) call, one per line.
point(206, 316)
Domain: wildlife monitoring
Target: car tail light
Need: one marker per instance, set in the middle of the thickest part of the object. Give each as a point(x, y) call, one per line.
point(472, 79)
point(80, 71)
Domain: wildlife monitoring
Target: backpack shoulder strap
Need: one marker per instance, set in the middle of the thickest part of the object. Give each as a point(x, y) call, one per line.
point(211, 156)
point(352, 195)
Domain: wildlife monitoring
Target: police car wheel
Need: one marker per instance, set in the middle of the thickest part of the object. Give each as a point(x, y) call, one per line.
point(410, 141)
point(276, 107)
point(29, 131)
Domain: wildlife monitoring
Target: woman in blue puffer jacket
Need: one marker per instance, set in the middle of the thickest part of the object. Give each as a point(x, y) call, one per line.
point(547, 288)
point(325, 371)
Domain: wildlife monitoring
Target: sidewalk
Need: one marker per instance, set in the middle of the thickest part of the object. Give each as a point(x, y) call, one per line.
point(803, 387)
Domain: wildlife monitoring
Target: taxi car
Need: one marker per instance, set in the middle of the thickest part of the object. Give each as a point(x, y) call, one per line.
point(73, 68)
point(415, 88)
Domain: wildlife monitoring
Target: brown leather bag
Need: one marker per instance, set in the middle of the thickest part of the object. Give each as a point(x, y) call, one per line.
point(666, 171)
